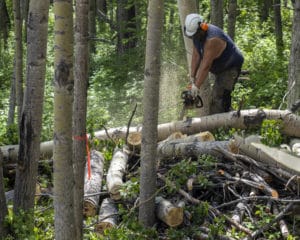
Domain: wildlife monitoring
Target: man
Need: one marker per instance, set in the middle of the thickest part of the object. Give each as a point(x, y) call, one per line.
point(214, 52)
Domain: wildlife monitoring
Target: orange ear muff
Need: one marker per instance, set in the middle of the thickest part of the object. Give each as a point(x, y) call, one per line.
point(204, 26)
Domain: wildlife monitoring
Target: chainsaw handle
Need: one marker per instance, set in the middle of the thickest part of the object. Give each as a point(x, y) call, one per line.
point(199, 102)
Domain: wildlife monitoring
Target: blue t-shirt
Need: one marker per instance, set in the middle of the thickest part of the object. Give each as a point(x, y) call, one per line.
point(230, 57)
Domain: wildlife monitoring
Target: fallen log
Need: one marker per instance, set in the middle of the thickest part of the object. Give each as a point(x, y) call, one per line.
point(93, 185)
point(269, 155)
point(246, 119)
point(117, 168)
point(108, 216)
point(168, 213)
point(177, 149)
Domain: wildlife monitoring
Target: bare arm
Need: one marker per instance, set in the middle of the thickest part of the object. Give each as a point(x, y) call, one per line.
point(195, 62)
point(213, 49)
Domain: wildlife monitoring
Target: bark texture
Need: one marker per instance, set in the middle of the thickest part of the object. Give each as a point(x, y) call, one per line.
point(232, 13)
point(31, 118)
point(294, 65)
point(150, 115)
point(116, 171)
point(94, 184)
point(63, 100)
point(216, 13)
point(108, 216)
point(80, 107)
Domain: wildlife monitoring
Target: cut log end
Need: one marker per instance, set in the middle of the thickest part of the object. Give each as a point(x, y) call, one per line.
point(134, 141)
point(174, 217)
point(89, 209)
point(102, 226)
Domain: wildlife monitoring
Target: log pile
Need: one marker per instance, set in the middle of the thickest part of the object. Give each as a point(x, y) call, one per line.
point(234, 185)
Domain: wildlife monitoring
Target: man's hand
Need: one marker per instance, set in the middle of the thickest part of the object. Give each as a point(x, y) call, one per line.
point(194, 90)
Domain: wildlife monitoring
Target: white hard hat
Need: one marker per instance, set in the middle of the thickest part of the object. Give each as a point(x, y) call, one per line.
point(192, 23)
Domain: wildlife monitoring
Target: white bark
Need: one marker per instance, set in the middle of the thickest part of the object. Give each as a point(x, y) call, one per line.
point(108, 216)
point(117, 168)
point(94, 184)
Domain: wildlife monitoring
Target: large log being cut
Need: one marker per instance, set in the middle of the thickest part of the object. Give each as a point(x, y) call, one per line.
point(239, 120)
point(117, 168)
point(92, 186)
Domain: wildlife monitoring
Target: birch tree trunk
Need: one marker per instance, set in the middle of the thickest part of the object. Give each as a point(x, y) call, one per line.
point(18, 71)
point(31, 118)
point(150, 115)
point(63, 99)
point(80, 107)
point(294, 65)
point(186, 7)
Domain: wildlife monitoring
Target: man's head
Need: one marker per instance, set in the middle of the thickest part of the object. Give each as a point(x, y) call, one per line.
point(193, 24)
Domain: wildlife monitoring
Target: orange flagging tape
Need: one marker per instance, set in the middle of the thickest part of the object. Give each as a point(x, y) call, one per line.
point(86, 138)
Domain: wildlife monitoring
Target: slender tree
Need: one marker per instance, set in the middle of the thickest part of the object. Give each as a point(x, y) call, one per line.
point(80, 107)
point(278, 27)
point(216, 12)
point(18, 71)
point(31, 117)
point(186, 7)
point(150, 115)
point(92, 24)
point(232, 12)
point(294, 64)
point(5, 21)
point(63, 176)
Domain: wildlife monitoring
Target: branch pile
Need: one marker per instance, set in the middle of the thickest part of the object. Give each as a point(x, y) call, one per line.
point(201, 180)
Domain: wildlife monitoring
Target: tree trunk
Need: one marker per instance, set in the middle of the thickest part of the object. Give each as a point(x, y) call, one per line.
point(150, 115)
point(3, 206)
point(216, 12)
point(232, 12)
point(294, 65)
point(92, 24)
point(186, 7)
point(265, 7)
point(80, 107)
point(31, 118)
point(278, 27)
point(12, 98)
point(5, 21)
point(63, 177)
point(18, 72)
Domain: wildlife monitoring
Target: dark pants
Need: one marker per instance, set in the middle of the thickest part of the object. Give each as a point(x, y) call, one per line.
point(221, 93)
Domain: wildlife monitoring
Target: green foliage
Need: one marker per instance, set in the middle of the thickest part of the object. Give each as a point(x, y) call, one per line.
point(271, 132)
point(182, 171)
point(130, 189)
point(11, 135)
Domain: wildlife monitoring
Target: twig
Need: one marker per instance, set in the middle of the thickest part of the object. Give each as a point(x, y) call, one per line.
point(129, 123)
point(197, 201)
point(267, 226)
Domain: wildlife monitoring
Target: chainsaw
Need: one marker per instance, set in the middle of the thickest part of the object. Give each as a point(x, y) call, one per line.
point(190, 102)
